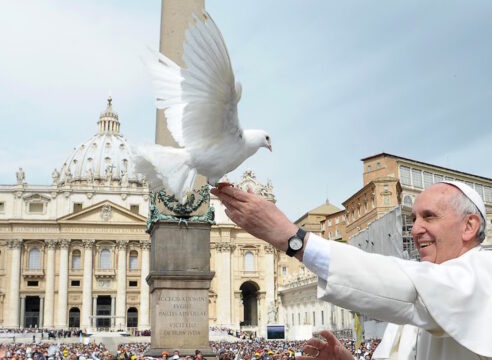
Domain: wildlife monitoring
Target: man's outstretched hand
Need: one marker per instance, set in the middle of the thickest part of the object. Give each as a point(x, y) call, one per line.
point(258, 216)
point(329, 349)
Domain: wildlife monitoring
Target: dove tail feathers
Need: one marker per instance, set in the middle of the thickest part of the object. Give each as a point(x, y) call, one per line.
point(165, 166)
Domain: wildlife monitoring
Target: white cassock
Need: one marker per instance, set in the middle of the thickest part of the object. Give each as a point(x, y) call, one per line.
point(446, 309)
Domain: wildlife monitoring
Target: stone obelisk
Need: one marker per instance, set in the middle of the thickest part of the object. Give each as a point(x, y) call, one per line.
point(180, 276)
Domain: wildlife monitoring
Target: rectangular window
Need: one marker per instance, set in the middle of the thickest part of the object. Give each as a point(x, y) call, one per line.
point(2, 206)
point(368, 167)
point(405, 175)
point(417, 178)
point(427, 179)
point(479, 189)
point(77, 207)
point(75, 283)
point(306, 320)
point(438, 178)
point(329, 222)
point(32, 283)
point(487, 194)
point(322, 317)
point(284, 270)
point(292, 323)
point(314, 318)
point(134, 209)
point(337, 220)
point(133, 283)
point(298, 318)
point(36, 208)
point(449, 178)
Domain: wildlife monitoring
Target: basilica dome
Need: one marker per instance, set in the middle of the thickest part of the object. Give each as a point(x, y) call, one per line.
point(104, 159)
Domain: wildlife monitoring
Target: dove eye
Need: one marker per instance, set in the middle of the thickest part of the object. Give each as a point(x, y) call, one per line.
point(268, 138)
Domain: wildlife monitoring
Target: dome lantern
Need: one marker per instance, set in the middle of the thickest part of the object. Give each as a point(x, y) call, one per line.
point(108, 120)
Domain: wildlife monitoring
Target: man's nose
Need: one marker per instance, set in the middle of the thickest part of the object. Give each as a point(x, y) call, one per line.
point(417, 228)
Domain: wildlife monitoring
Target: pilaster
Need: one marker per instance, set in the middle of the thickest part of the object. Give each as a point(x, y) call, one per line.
point(121, 285)
point(14, 290)
point(61, 318)
point(50, 283)
point(143, 318)
point(85, 322)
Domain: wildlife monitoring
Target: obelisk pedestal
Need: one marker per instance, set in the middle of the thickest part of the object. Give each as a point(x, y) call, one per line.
point(179, 281)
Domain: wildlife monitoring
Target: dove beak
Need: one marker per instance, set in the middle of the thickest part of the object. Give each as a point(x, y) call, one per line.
point(269, 147)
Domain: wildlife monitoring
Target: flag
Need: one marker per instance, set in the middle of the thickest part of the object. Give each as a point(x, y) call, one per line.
point(358, 332)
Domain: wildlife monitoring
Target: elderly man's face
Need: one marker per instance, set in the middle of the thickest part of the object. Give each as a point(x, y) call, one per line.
point(437, 229)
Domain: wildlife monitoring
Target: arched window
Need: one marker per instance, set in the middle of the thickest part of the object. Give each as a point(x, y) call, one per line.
point(76, 256)
point(105, 259)
point(74, 318)
point(407, 201)
point(133, 263)
point(34, 259)
point(249, 261)
point(132, 317)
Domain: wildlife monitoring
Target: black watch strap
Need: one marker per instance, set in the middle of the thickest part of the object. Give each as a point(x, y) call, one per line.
point(301, 234)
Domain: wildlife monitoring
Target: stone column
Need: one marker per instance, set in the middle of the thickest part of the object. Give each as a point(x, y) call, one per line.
point(22, 310)
point(269, 266)
point(121, 285)
point(85, 322)
point(14, 291)
point(224, 291)
point(94, 312)
point(113, 311)
point(62, 306)
point(261, 311)
point(41, 312)
point(143, 316)
point(50, 283)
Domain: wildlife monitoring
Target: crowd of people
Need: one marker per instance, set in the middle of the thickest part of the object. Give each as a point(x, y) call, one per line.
point(257, 349)
point(49, 351)
point(364, 351)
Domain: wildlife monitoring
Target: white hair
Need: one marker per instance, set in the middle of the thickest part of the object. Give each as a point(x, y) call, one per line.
point(464, 206)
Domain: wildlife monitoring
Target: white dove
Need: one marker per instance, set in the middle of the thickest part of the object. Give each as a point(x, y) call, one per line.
point(200, 104)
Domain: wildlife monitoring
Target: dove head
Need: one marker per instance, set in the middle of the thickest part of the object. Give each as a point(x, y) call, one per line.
point(258, 139)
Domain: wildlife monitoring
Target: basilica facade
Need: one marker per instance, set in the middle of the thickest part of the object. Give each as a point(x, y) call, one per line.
point(75, 253)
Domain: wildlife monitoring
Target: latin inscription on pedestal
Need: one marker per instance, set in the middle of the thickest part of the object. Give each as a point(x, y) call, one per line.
point(182, 317)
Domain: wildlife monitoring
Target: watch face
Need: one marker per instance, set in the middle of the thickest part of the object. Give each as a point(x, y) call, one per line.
point(295, 243)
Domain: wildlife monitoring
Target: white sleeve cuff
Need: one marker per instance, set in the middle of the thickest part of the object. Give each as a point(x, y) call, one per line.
point(317, 255)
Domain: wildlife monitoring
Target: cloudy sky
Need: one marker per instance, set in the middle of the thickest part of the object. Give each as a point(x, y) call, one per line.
point(331, 81)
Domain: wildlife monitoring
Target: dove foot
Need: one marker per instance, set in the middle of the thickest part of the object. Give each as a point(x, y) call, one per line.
point(221, 185)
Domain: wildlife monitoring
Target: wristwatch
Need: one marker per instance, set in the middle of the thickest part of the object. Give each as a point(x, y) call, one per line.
point(296, 242)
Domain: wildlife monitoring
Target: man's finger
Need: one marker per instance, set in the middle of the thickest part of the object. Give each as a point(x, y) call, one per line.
point(230, 203)
point(311, 350)
point(235, 193)
point(330, 338)
point(316, 343)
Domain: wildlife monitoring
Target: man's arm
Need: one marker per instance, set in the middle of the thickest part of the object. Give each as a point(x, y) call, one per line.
point(368, 283)
point(258, 216)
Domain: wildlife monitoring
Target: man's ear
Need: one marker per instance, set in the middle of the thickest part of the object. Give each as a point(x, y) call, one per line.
point(472, 225)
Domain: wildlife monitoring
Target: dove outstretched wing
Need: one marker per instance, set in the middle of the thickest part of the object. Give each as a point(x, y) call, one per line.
point(200, 100)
